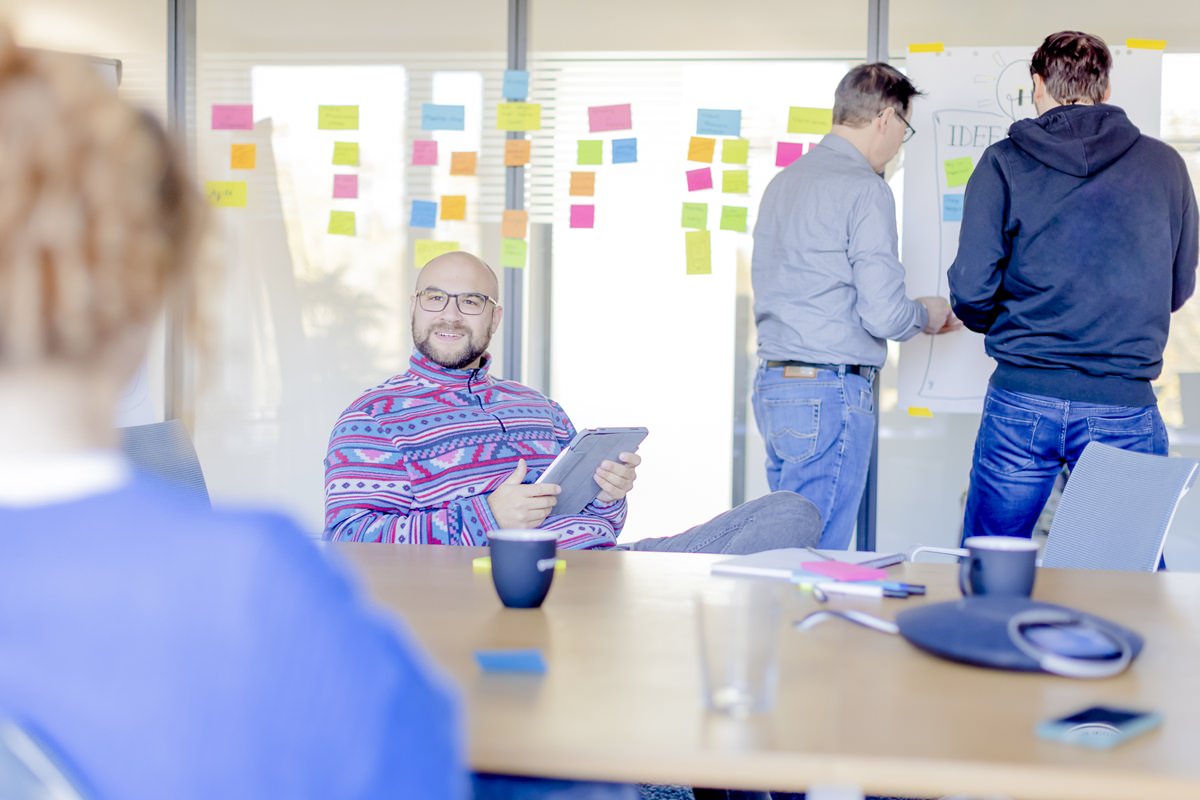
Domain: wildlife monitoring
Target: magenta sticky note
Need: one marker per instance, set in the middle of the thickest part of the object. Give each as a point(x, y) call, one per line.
point(699, 179)
point(345, 186)
point(841, 571)
point(787, 152)
point(583, 216)
point(424, 152)
point(233, 117)
point(610, 118)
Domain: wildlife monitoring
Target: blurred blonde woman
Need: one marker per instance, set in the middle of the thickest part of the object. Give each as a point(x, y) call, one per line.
point(159, 649)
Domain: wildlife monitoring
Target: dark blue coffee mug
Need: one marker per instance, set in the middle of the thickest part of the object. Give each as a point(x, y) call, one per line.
point(523, 566)
point(1002, 566)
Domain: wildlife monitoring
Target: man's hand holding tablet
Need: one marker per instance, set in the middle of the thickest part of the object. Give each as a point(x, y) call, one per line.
point(598, 464)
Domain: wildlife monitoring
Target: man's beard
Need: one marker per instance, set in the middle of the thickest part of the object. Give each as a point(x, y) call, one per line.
point(470, 352)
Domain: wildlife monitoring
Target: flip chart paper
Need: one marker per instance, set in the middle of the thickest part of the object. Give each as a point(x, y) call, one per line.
point(610, 118)
point(733, 218)
point(436, 117)
point(345, 154)
point(958, 171)
point(427, 249)
point(695, 215)
point(516, 84)
point(243, 156)
point(583, 184)
point(454, 207)
point(787, 152)
point(735, 181)
point(463, 163)
point(514, 224)
point(590, 151)
point(810, 120)
point(624, 151)
point(718, 122)
point(519, 117)
point(226, 194)
point(700, 148)
point(583, 216)
point(424, 152)
point(698, 247)
point(516, 152)
point(735, 151)
point(345, 186)
point(424, 214)
point(513, 253)
point(337, 118)
point(698, 179)
point(341, 223)
point(233, 117)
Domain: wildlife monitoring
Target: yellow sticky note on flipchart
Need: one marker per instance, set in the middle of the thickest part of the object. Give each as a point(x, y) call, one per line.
point(735, 181)
point(243, 156)
point(919, 411)
point(810, 120)
point(519, 116)
point(337, 118)
point(698, 246)
point(735, 151)
point(341, 223)
point(700, 148)
point(226, 194)
point(345, 154)
point(958, 171)
point(429, 249)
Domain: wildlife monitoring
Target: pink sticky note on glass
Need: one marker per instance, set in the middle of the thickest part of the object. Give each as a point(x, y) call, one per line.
point(345, 186)
point(233, 117)
point(840, 571)
point(787, 152)
point(610, 118)
point(699, 179)
point(424, 152)
point(583, 216)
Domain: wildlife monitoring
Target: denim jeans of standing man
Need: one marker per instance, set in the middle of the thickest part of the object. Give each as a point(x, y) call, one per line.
point(1025, 439)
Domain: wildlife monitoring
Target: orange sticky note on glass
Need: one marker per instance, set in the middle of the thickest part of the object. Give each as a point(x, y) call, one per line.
point(514, 224)
point(454, 206)
point(462, 163)
point(516, 152)
point(701, 149)
point(583, 184)
point(243, 156)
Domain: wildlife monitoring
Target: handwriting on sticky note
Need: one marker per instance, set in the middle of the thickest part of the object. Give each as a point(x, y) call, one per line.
point(809, 120)
point(425, 250)
point(436, 117)
point(958, 171)
point(424, 214)
point(345, 154)
point(337, 118)
point(735, 181)
point(735, 151)
point(226, 194)
point(454, 206)
point(516, 84)
point(787, 152)
point(624, 151)
point(841, 571)
point(513, 253)
point(233, 117)
point(583, 184)
point(341, 223)
point(519, 117)
point(610, 118)
point(590, 151)
point(345, 186)
point(718, 122)
point(463, 163)
point(516, 152)
point(698, 179)
point(583, 216)
point(695, 215)
point(514, 224)
point(243, 156)
point(952, 208)
point(424, 152)
point(528, 661)
point(698, 252)
point(733, 218)
point(700, 148)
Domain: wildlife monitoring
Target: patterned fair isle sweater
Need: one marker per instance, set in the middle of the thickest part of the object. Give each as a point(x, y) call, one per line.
point(413, 460)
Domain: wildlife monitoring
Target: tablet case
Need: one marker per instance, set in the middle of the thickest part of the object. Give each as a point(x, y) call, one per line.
point(575, 466)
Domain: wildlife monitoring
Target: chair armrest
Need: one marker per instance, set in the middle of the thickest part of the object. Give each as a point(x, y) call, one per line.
point(957, 552)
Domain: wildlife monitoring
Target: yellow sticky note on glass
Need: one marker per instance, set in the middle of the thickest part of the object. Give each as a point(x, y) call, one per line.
point(701, 148)
point(958, 171)
point(735, 181)
point(735, 151)
point(243, 156)
point(810, 120)
point(226, 194)
point(463, 163)
point(919, 411)
point(428, 249)
point(345, 154)
point(337, 118)
point(513, 252)
point(341, 223)
point(590, 151)
point(514, 224)
point(583, 184)
point(695, 215)
point(516, 152)
point(733, 218)
point(519, 116)
point(699, 252)
point(454, 206)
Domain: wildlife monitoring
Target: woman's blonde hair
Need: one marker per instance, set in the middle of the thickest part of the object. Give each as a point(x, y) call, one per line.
point(98, 220)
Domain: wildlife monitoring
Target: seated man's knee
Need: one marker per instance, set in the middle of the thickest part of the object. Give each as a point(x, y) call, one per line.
point(787, 519)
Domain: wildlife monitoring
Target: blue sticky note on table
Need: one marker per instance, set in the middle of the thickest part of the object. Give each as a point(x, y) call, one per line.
point(424, 214)
point(442, 118)
point(624, 151)
point(718, 122)
point(952, 207)
point(516, 84)
point(529, 661)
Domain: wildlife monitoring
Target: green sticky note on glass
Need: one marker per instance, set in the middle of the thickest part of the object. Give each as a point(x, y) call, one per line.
point(341, 223)
point(426, 250)
point(591, 151)
point(698, 245)
point(695, 215)
point(337, 118)
point(733, 218)
point(513, 252)
point(958, 171)
point(345, 154)
point(735, 151)
point(810, 120)
point(735, 181)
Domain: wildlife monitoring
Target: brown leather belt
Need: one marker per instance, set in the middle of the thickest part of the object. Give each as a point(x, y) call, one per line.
point(853, 369)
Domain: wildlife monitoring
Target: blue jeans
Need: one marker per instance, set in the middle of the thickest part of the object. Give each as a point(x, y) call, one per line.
point(779, 519)
point(818, 432)
point(1025, 439)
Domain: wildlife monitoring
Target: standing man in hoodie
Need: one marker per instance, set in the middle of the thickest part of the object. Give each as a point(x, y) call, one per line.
point(1078, 241)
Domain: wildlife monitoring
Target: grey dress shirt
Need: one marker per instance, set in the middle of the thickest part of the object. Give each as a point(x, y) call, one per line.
point(828, 283)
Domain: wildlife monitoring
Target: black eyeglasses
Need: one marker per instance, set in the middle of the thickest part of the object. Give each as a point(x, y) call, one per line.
point(908, 134)
point(435, 300)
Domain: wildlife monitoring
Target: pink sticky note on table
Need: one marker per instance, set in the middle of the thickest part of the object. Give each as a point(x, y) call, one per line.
point(424, 152)
point(787, 152)
point(610, 118)
point(841, 571)
point(583, 216)
point(345, 186)
point(233, 117)
point(699, 179)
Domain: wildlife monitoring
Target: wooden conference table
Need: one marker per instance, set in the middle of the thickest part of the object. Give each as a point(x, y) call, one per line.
point(621, 697)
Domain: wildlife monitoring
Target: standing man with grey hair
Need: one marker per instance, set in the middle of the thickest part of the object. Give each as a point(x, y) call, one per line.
point(828, 294)
point(1078, 241)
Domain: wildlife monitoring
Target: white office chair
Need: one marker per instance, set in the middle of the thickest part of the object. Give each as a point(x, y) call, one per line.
point(164, 449)
point(27, 769)
point(1115, 512)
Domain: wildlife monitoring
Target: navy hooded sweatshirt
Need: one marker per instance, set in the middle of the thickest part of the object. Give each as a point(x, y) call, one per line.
point(1078, 240)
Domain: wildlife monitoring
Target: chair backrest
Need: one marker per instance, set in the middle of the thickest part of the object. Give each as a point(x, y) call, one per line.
point(165, 450)
point(1117, 509)
point(28, 771)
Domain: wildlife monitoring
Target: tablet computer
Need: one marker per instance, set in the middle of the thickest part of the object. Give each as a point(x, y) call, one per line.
point(575, 465)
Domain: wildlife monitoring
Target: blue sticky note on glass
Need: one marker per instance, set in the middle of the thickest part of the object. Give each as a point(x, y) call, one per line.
point(529, 661)
point(516, 84)
point(624, 151)
point(424, 214)
point(952, 205)
point(718, 122)
point(442, 118)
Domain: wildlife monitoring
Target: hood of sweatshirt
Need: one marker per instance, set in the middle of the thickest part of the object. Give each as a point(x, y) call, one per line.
point(1077, 140)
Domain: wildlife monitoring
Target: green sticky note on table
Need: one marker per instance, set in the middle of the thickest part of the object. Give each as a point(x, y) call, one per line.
point(345, 154)
point(735, 181)
point(958, 171)
point(698, 246)
point(735, 151)
point(591, 151)
point(810, 120)
point(341, 223)
point(733, 218)
point(513, 252)
point(337, 118)
point(428, 249)
point(695, 215)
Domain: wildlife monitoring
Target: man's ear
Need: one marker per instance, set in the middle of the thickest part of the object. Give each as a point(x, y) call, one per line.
point(1107, 92)
point(497, 315)
point(1039, 88)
